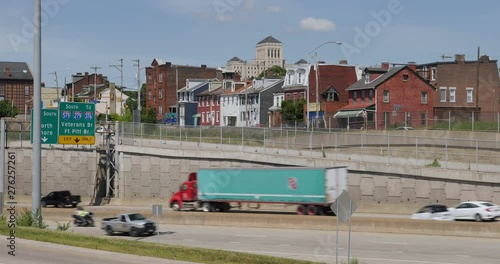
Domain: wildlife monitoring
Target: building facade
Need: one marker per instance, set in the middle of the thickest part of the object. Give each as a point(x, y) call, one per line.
point(163, 80)
point(388, 97)
point(268, 53)
point(464, 87)
point(16, 85)
point(82, 87)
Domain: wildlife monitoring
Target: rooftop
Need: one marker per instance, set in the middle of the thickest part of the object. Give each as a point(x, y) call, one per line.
point(269, 39)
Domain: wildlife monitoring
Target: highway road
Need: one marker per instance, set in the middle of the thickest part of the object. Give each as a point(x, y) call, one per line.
point(33, 252)
point(321, 246)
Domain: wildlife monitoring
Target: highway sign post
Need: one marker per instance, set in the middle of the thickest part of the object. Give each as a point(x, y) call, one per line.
point(76, 123)
point(344, 207)
point(49, 126)
point(157, 211)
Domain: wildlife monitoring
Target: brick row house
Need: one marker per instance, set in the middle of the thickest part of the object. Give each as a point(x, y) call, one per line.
point(16, 85)
point(333, 80)
point(82, 87)
point(162, 84)
point(457, 82)
point(385, 96)
point(189, 100)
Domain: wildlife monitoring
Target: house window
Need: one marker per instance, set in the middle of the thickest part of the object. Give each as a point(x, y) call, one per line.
point(150, 95)
point(150, 79)
point(217, 116)
point(303, 95)
point(160, 78)
point(26, 90)
point(354, 96)
point(203, 117)
point(423, 99)
point(154, 100)
point(470, 95)
point(367, 78)
point(370, 96)
point(362, 96)
point(294, 96)
point(442, 94)
point(332, 96)
point(405, 77)
point(161, 93)
point(160, 110)
point(2, 90)
point(386, 96)
point(452, 94)
point(217, 100)
point(433, 74)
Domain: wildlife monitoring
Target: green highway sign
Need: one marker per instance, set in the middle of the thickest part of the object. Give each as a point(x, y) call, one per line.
point(50, 117)
point(76, 123)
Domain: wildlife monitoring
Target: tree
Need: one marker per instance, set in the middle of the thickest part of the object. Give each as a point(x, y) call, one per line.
point(7, 110)
point(292, 110)
point(149, 116)
point(132, 99)
point(273, 72)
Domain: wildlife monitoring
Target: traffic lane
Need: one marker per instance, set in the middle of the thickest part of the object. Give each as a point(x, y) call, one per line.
point(321, 245)
point(34, 252)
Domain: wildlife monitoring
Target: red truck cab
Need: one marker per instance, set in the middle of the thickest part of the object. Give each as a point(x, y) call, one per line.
point(187, 196)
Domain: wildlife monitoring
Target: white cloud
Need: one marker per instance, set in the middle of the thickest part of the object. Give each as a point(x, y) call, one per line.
point(314, 24)
point(274, 9)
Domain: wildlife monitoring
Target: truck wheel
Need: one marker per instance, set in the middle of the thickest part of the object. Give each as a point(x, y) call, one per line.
point(301, 210)
point(61, 205)
point(133, 232)
point(109, 230)
point(73, 205)
point(207, 207)
point(43, 204)
point(175, 206)
point(313, 210)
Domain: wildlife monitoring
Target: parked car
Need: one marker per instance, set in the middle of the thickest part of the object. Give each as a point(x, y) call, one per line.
point(132, 223)
point(60, 199)
point(476, 210)
point(433, 212)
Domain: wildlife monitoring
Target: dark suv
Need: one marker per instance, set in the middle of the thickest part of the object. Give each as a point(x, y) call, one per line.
point(60, 199)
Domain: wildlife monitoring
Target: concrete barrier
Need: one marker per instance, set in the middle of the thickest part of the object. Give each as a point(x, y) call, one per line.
point(326, 223)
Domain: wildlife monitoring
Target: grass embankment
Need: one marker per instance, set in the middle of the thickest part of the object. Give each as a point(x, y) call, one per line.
point(140, 248)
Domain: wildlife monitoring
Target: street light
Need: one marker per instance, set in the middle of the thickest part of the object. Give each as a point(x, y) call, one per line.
point(317, 77)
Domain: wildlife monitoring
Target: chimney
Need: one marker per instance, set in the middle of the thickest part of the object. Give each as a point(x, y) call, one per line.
point(343, 62)
point(7, 72)
point(203, 66)
point(385, 65)
point(459, 57)
point(412, 65)
point(86, 73)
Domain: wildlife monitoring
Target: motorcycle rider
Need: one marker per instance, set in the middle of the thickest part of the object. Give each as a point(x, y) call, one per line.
point(81, 215)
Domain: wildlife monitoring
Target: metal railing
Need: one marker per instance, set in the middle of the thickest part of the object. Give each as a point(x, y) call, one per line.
point(401, 147)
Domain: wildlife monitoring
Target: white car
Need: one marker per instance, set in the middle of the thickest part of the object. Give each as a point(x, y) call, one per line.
point(433, 212)
point(476, 210)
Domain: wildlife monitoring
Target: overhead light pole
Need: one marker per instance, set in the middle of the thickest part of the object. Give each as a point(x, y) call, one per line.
point(36, 167)
point(316, 70)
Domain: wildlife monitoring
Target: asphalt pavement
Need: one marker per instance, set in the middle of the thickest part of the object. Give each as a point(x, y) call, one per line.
point(321, 246)
point(33, 252)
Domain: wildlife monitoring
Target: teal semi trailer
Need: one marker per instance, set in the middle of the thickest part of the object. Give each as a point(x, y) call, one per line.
point(313, 190)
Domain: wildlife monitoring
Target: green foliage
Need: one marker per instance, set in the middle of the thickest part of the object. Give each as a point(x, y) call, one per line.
point(273, 72)
point(3, 220)
point(7, 110)
point(64, 226)
point(352, 261)
point(291, 110)
point(26, 219)
point(149, 116)
point(435, 163)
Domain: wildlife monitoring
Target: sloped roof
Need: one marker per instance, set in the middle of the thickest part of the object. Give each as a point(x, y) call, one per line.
point(301, 61)
point(359, 85)
point(17, 70)
point(236, 59)
point(269, 39)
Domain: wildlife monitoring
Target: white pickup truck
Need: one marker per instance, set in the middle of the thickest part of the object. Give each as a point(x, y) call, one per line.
point(133, 223)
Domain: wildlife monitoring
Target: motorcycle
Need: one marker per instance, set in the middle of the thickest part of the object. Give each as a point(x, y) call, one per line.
point(84, 221)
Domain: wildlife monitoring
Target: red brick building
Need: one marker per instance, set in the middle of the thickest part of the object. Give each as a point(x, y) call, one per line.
point(16, 85)
point(386, 97)
point(333, 81)
point(83, 85)
point(457, 87)
point(163, 80)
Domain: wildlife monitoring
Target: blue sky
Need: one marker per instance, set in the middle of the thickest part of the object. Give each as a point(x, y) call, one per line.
point(79, 34)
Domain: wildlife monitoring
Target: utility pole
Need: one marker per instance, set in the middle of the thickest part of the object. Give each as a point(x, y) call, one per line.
point(36, 167)
point(121, 71)
point(477, 79)
point(57, 84)
point(138, 84)
point(95, 80)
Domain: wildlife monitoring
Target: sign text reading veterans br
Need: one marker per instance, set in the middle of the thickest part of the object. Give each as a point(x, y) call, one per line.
point(77, 123)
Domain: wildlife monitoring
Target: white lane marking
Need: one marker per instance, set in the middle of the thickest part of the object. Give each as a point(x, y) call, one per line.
point(250, 236)
point(283, 245)
point(463, 256)
point(234, 242)
point(332, 256)
point(390, 243)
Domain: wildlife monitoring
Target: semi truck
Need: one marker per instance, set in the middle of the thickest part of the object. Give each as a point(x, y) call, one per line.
point(312, 189)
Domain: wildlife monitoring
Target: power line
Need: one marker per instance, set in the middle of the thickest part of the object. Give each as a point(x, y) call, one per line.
point(95, 68)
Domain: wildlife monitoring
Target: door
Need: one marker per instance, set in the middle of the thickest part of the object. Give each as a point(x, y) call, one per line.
point(122, 225)
point(461, 211)
point(51, 199)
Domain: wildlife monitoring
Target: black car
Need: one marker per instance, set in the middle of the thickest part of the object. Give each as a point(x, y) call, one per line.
point(60, 199)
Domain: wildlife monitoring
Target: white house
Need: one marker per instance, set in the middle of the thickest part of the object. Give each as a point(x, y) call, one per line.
point(115, 101)
point(230, 103)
